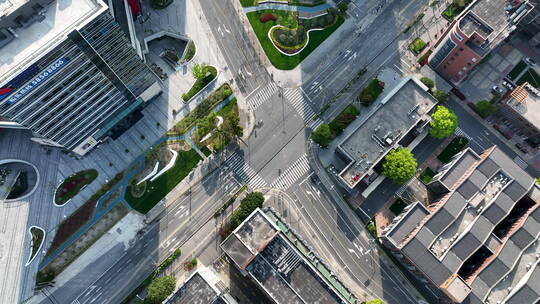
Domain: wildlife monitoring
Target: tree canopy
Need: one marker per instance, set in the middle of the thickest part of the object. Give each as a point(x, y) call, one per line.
point(160, 289)
point(322, 135)
point(428, 82)
point(375, 301)
point(399, 165)
point(248, 204)
point(199, 70)
point(441, 96)
point(443, 123)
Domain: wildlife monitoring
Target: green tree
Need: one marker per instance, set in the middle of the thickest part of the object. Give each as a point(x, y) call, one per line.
point(485, 108)
point(399, 165)
point(375, 301)
point(207, 124)
point(199, 71)
point(343, 7)
point(160, 289)
point(428, 82)
point(443, 123)
point(441, 96)
point(322, 135)
point(248, 204)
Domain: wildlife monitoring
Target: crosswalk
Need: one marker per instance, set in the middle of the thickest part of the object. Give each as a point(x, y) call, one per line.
point(247, 175)
point(460, 132)
point(261, 95)
point(300, 103)
point(520, 162)
point(292, 174)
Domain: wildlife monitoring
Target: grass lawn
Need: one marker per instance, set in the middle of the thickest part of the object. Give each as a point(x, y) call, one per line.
point(343, 120)
point(417, 46)
point(200, 83)
point(73, 184)
point(517, 70)
point(247, 3)
point(279, 60)
point(454, 147)
point(531, 77)
point(156, 190)
point(453, 10)
point(398, 206)
point(427, 175)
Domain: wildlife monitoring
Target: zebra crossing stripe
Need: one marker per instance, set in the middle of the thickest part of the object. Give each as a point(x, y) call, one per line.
point(292, 174)
point(520, 162)
point(314, 125)
point(244, 171)
point(460, 132)
point(296, 98)
point(260, 97)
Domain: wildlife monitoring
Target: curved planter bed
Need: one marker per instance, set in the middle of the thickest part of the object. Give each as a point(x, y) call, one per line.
point(295, 52)
point(35, 243)
point(73, 185)
point(26, 193)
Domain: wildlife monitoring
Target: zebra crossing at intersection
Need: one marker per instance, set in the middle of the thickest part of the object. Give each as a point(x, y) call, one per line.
point(247, 175)
point(261, 96)
point(300, 103)
point(292, 174)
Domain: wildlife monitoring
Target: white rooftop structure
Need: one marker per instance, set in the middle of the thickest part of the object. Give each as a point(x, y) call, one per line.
point(33, 40)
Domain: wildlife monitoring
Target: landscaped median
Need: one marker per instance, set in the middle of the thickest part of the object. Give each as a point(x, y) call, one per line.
point(287, 39)
point(79, 231)
point(325, 133)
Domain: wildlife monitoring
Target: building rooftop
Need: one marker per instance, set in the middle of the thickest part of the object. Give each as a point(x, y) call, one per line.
point(479, 233)
point(195, 291)
point(9, 6)
point(399, 112)
point(38, 26)
point(261, 248)
point(525, 100)
point(486, 17)
point(202, 287)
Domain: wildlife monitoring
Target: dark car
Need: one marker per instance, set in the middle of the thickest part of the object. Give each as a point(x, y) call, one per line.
point(521, 148)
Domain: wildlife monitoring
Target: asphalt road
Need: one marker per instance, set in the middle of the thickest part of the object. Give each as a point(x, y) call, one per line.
point(242, 59)
point(173, 228)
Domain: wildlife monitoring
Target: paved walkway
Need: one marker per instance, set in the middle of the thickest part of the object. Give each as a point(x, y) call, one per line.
point(286, 7)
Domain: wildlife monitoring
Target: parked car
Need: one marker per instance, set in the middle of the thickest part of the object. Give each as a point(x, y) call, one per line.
point(508, 85)
point(497, 89)
point(521, 148)
point(529, 61)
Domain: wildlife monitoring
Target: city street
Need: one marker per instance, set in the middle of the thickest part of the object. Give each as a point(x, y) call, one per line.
point(170, 231)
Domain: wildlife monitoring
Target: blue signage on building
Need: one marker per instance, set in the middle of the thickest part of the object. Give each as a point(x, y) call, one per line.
point(40, 78)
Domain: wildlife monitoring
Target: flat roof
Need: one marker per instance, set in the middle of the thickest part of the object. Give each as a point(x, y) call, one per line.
point(528, 108)
point(287, 276)
point(8, 6)
point(195, 291)
point(38, 38)
point(395, 116)
point(490, 16)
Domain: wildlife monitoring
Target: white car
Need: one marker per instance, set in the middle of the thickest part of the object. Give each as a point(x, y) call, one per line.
point(508, 85)
point(529, 61)
point(497, 89)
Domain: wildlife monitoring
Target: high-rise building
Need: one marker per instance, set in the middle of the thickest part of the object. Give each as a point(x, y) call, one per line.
point(477, 239)
point(475, 32)
point(69, 73)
